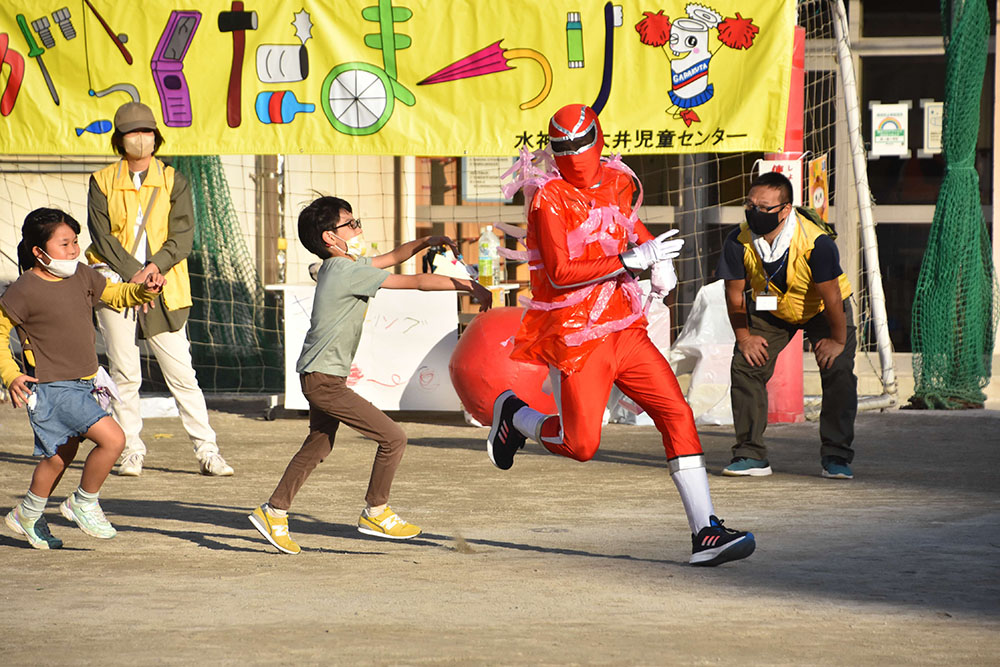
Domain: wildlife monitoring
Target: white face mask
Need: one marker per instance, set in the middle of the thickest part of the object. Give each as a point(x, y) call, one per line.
point(60, 268)
point(138, 145)
point(356, 246)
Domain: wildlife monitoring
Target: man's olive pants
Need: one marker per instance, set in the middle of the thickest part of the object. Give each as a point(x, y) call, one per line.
point(840, 387)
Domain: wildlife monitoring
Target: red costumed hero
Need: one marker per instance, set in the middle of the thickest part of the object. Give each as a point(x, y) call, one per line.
point(586, 322)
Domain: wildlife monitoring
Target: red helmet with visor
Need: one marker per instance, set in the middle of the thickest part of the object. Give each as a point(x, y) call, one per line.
point(576, 140)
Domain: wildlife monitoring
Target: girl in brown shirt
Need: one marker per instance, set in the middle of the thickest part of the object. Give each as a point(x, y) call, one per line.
point(51, 306)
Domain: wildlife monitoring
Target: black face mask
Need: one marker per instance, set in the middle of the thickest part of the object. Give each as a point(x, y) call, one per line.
point(761, 223)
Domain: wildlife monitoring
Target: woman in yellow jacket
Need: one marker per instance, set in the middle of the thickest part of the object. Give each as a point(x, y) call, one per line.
point(141, 222)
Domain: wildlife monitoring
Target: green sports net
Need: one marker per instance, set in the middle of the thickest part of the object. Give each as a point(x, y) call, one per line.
point(955, 308)
point(235, 340)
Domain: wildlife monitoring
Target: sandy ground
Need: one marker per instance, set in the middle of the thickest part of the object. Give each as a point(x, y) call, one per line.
point(552, 562)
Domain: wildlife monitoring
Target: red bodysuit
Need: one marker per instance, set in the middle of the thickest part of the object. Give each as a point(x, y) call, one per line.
point(586, 319)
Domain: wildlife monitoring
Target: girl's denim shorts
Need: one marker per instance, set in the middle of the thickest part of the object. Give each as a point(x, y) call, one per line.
point(62, 410)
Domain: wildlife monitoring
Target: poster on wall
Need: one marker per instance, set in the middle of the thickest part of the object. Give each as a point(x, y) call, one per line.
point(890, 126)
point(819, 190)
point(395, 77)
point(481, 178)
point(792, 169)
point(933, 127)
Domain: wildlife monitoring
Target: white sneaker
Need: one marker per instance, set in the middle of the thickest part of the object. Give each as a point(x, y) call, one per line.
point(216, 466)
point(131, 465)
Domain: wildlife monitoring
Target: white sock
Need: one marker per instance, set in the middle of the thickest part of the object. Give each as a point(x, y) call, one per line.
point(32, 506)
point(692, 484)
point(373, 512)
point(274, 511)
point(529, 422)
point(84, 497)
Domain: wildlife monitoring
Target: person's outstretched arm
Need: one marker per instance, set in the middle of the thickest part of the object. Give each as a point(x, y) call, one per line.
point(126, 295)
point(411, 248)
point(431, 282)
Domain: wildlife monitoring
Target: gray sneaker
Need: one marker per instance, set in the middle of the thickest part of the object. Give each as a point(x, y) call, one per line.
point(35, 530)
point(89, 518)
point(215, 465)
point(131, 465)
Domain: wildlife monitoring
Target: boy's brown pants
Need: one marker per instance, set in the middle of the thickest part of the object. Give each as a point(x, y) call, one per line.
point(330, 403)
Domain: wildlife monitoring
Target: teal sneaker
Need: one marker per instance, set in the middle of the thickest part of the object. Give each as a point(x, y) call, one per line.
point(35, 530)
point(742, 466)
point(836, 467)
point(89, 518)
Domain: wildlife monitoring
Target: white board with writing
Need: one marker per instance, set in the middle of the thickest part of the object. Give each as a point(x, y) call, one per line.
point(402, 360)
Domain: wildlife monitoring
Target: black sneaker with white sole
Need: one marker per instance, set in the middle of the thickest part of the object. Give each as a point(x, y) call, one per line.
point(504, 439)
point(715, 544)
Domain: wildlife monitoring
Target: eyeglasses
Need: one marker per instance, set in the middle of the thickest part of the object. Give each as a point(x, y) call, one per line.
point(750, 206)
point(354, 223)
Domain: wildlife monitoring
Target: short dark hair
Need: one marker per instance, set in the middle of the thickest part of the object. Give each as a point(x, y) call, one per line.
point(777, 181)
point(118, 143)
point(321, 215)
point(38, 228)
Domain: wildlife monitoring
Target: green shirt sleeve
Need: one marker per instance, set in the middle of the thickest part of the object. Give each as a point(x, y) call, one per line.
point(180, 227)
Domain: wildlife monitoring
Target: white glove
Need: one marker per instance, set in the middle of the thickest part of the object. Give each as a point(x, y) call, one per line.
point(663, 278)
point(649, 253)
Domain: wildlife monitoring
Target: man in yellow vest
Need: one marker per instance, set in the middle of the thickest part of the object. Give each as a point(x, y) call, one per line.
point(790, 267)
point(141, 222)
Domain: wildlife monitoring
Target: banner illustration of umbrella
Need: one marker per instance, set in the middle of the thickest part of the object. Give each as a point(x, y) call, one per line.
point(490, 60)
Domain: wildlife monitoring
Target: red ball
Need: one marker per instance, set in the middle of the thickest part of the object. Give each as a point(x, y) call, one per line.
point(481, 367)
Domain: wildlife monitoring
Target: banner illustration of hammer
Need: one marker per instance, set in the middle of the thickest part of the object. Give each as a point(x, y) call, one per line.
point(236, 21)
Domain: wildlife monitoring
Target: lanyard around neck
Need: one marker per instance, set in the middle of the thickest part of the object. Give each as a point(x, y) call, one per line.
point(767, 283)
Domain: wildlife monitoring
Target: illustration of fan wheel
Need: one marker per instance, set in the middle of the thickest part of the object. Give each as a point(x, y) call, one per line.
point(357, 98)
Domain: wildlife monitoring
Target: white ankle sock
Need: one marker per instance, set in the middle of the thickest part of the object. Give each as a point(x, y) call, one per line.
point(32, 506)
point(274, 511)
point(373, 512)
point(692, 484)
point(84, 497)
point(528, 422)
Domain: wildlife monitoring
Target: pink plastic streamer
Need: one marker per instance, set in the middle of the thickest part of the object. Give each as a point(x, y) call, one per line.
point(529, 172)
point(571, 299)
point(615, 162)
point(590, 333)
point(519, 255)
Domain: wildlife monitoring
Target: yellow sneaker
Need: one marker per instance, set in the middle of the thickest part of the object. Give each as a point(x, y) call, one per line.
point(275, 529)
point(387, 524)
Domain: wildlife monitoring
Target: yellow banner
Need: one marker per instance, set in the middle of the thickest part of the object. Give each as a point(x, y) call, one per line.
point(400, 77)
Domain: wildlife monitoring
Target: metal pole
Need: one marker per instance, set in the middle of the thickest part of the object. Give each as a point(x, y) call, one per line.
point(868, 239)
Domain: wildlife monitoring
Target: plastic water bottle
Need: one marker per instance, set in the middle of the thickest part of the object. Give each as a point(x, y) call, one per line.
point(489, 264)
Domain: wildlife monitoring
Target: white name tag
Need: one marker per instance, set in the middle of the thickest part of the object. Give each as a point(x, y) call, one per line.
point(766, 302)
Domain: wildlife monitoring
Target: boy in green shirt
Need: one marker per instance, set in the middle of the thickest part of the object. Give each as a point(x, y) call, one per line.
point(346, 281)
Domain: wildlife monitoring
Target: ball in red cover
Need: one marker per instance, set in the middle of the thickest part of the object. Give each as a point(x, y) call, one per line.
point(481, 367)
